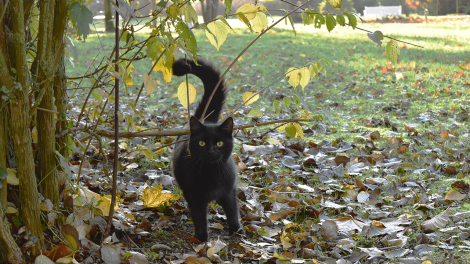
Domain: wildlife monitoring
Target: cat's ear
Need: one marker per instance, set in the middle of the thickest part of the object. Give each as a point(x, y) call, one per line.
point(227, 126)
point(195, 124)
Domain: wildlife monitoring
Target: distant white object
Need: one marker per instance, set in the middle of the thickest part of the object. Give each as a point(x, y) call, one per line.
point(381, 11)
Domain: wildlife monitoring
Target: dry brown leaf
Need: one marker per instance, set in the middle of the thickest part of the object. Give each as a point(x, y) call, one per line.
point(342, 160)
point(375, 135)
point(360, 185)
point(58, 252)
point(461, 185)
point(329, 230)
point(282, 214)
point(436, 222)
point(455, 195)
point(451, 170)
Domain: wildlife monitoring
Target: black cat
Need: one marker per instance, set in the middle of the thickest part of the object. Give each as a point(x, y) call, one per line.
point(203, 166)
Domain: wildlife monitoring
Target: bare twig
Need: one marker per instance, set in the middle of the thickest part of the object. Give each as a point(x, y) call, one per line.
point(241, 53)
point(179, 132)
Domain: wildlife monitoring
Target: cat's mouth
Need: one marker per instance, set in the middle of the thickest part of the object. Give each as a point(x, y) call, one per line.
point(212, 158)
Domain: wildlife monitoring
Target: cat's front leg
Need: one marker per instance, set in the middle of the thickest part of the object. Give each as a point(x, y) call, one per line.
point(199, 215)
point(229, 204)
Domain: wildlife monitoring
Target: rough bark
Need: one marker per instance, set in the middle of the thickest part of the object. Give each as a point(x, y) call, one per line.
point(19, 113)
point(47, 173)
point(108, 16)
point(3, 157)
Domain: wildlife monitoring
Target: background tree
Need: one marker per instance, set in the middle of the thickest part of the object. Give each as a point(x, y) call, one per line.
point(108, 16)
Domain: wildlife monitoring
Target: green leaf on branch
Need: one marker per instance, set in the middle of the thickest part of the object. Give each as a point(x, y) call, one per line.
point(183, 94)
point(352, 20)
point(314, 71)
point(325, 61)
point(154, 48)
point(255, 112)
point(219, 30)
point(172, 11)
point(146, 151)
point(224, 21)
point(376, 37)
point(97, 96)
point(335, 3)
point(286, 101)
point(189, 13)
point(245, 20)
point(277, 107)
point(330, 22)
point(297, 101)
point(291, 130)
point(188, 37)
point(340, 19)
point(81, 17)
point(319, 20)
point(292, 23)
point(246, 98)
point(392, 51)
point(228, 6)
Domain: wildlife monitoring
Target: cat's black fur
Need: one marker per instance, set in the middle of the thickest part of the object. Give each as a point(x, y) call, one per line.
point(206, 171)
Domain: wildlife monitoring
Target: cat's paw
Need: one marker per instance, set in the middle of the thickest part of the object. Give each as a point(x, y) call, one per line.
point(239, 231)
point(202, 237)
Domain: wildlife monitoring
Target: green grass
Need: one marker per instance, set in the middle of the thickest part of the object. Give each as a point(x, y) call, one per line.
point(354, 76)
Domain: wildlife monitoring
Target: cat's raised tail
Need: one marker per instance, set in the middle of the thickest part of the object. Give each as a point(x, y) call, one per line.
point(209, 77)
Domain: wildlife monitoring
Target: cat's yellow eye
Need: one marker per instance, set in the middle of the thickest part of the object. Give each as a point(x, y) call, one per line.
point(202, 143)
point(220, 143)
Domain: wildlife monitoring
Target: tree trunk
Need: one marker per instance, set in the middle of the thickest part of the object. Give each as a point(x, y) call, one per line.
point(108, 16)
point(405, 8)
point(20, 116)
point(3, 156)
point(47, 173)
point(437, 7)
point(209, 9)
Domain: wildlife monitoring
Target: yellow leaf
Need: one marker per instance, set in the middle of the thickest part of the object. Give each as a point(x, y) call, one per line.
point(272, 141)
point(165, 69)
point(299, 130)
point(154, 197)
point(249, 10)
point(172, 11)
point(260, 22)
point(11, 210)
point(335, 3)
point(71, 240)
point(150, 84)
point(146, 151)
point(34, 134)
point(183, 94)
point(11, 177)
point(298, 76)
point(220, 30)
point(86, 197)
point(280, 257)
point(255, 112)
point(246, 98)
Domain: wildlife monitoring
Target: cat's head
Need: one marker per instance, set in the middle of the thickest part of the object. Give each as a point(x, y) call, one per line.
point(211, 142)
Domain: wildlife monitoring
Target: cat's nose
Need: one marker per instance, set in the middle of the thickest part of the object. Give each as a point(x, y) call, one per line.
point(211, 151)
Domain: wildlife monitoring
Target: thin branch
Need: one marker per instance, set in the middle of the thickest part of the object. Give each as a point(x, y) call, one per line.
point(359, 27)
point(241, 53)
point(180, 132)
